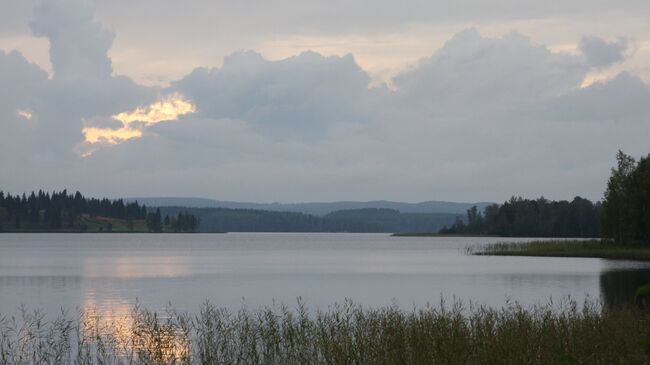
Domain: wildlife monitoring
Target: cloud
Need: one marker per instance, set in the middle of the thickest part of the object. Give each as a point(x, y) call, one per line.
point(168, 108)
point(82, 86)
point(78, 44)
point(338, 17)
point(295, 97)
point(480, 118)
point(600, 53)
point(25, 114)
point(21, 87)
point(13, 15)
point(132, 123)
point(19, 79)
point(471, 72)
point(624, 98)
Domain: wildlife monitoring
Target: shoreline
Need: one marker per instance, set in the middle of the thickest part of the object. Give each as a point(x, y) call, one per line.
point(570, 248)
point(104, 232)
point(427, 234)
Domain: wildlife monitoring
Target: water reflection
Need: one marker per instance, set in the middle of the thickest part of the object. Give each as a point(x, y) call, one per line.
point(139, 265)
point(110, 272)
point(55, 281)
point(617, 287)
point(129, 331)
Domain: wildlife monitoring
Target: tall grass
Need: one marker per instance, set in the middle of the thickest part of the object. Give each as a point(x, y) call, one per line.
point(564, 248)
point(345, 333)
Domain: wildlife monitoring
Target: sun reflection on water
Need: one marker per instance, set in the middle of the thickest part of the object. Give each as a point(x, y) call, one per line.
point(133, 333)
point(130, 267)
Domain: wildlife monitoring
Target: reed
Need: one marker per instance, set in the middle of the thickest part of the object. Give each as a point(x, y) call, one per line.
point(565, 248)
point(344, 333)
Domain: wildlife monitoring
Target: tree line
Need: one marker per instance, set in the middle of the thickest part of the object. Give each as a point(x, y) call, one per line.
point(254, 220)
point(519, 217)
point(61, 211)
point(623, 216)
point(366, 220)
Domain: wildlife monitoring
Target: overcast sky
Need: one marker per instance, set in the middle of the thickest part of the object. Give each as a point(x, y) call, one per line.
point(294, 100)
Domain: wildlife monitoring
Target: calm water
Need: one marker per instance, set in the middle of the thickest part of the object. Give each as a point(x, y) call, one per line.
point(110, 272)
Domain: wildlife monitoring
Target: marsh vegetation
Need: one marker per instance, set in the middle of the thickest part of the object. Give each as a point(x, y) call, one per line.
point(341, 334)
point(565, 248)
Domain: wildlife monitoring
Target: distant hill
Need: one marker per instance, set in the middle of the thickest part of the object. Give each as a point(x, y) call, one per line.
point(365, 220)
point(394, 221)
point(319, 209)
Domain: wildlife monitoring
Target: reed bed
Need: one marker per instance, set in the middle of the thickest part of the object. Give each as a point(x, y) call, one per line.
point(564, 248)
point(345, 333)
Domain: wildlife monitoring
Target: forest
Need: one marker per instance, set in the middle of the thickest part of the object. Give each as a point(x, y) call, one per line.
point(63, 212)
point(366, 220)
point(623, 216)
point(519, 217)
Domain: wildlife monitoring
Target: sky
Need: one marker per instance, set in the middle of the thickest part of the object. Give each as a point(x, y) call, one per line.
point(295, 100)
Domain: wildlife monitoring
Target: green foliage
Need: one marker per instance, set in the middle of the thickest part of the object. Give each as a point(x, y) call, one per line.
point(520, 217)
point(626, 207)
point(642, 297)
point(643, 291)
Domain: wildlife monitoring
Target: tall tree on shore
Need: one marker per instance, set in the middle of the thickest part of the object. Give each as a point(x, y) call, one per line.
point(626, 208)
point(639, 201)
point(615, 207)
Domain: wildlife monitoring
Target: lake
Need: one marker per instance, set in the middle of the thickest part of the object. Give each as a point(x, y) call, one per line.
point(109, 272)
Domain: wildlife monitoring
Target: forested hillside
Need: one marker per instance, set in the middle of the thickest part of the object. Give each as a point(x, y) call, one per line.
point(391, 220)
point(357, 220)
point(316, 208)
